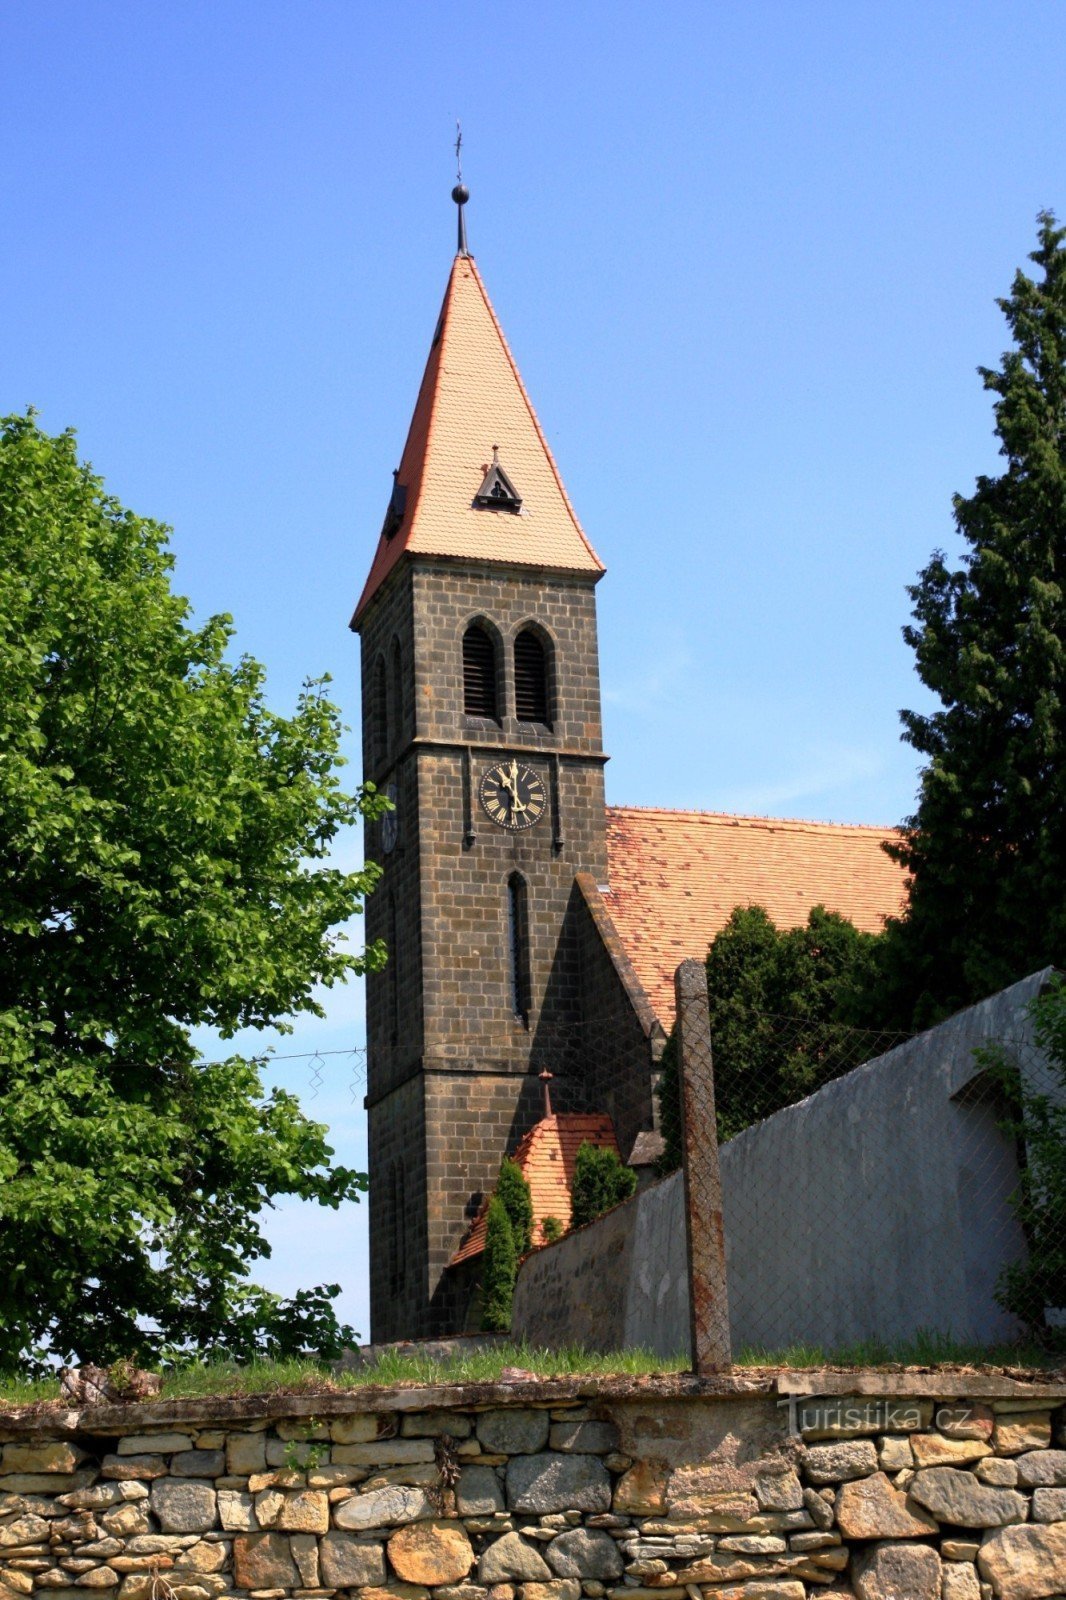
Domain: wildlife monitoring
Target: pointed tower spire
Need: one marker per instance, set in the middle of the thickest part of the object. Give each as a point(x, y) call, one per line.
point(476, 480)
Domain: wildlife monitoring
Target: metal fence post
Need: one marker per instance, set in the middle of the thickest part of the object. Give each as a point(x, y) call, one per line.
point(708, 1299)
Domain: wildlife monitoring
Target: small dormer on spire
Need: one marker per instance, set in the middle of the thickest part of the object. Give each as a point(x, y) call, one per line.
point(497, 492)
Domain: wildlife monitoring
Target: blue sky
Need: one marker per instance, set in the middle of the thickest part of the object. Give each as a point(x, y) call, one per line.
point(747, 259)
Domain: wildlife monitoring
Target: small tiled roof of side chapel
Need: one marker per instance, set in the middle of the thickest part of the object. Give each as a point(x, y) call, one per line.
point(546, 1156)
point(472, 399)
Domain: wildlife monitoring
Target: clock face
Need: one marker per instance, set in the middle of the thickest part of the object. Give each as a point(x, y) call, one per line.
point(390, 822)
point(512, 795)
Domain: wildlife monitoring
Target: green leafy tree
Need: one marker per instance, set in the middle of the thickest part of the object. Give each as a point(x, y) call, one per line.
point(513, 1190)
point(986, 847)
point(163, 838)
point(1037, 1121)
point(601, 1181)
point(500, 1264)
point(775, 999)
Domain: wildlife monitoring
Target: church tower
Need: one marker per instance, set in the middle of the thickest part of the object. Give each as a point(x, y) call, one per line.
point(481, 721)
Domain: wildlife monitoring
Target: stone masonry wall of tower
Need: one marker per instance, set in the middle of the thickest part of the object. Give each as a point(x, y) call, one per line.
point(451, 1080)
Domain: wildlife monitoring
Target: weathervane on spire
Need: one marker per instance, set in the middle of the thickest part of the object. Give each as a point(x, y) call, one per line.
point(460, 194)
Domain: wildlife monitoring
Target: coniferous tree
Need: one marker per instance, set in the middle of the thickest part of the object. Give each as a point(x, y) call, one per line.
point(600, 1182)
point(986, 847)
point(513, 1190)
point(498, 1272)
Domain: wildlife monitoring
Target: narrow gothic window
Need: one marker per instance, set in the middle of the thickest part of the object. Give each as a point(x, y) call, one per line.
point(379, 714)
point(530, 679)
point(518, 946)
point(479, 673)
point(396, 710)
point(392, 973)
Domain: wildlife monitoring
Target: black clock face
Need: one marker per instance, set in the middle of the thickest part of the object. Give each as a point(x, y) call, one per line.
point(512, 795)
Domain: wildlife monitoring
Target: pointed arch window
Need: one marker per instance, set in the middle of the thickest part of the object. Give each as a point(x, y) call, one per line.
point(531, 679)
point(479, 673)
point(379, 714)
point(518, 966)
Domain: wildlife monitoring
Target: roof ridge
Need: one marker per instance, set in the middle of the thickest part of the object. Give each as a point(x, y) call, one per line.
point(758, 817)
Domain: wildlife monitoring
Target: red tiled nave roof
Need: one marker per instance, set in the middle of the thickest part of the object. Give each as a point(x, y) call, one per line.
point(675, 877)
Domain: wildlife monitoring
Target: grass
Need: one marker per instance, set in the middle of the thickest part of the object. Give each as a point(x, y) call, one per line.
point(484, 1366)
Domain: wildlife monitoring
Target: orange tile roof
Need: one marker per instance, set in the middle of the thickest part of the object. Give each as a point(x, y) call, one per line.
point(546, 1156)
point(472, 398)
point(675, 876)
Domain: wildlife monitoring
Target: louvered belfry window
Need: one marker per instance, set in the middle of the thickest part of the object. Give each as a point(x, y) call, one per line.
point(479, 673)
point(530, 678)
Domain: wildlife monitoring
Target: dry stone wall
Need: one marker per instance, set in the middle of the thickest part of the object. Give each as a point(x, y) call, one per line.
point(655, 1492)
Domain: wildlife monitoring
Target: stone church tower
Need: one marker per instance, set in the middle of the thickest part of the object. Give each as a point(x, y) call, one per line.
point(481, 720)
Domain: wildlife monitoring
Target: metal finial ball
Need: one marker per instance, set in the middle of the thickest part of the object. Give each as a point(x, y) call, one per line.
point(460, 194)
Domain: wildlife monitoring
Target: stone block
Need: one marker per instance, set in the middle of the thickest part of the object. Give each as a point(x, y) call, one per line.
point(386, 1453)
point(870, 1508)
point(1041, 1469)
point(1019, 1431)
point(434, 1424)
point(303, 1547)
point(898, 1572)
point(1049, 1505)
point(133, 1467)
point(431, 1553)
point(938, 1450)
point(555, 1482)
point(642, 1490)
point(305, 1511)
point(509, 1433)
point(1025, 1563)
point(137, 1444)
point(959, 1581)
point(360, 1428)
point(511, 1559)
point(999, 1473)
point(245, 1453)
point(182, 1505)
point(263, 1561)
point(382, 1508)
point(204, 1556)
point(49, 1457)
point(779, 1491)
point(894, 1452)
point(958, 1497)
point(478, 1492)
point(236, 1511)
point(347, 1562)
point(198, 1464)
point(839, 1463)
point(131, 1516)
point(586, 1553)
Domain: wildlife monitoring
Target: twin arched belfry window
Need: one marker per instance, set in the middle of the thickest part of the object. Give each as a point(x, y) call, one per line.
point(481, 676)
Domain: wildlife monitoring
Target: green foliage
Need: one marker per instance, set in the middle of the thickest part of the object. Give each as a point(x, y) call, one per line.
point(162, 845)
point(551, 1229)
point(775, 1000)
point(513, 1191)
point(1037, 1121)
point(498, 1272)
point(601, 1181)
point(986, 847)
